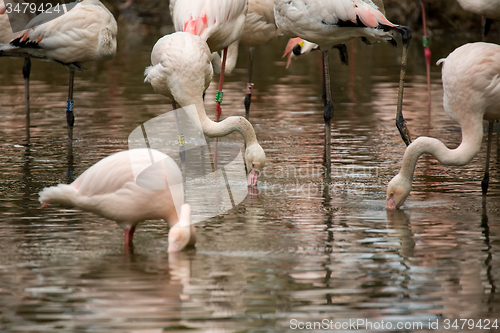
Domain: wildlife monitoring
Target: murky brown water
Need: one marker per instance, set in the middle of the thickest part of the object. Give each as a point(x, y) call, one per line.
point(299, 251)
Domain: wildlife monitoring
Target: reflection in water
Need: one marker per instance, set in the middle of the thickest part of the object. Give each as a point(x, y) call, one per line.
point(298, 247)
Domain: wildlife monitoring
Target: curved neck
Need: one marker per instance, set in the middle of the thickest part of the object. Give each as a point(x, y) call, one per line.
point(224, 127)
point(472, 135)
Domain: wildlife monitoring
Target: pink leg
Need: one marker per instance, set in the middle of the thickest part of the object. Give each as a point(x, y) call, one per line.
point(129, 234)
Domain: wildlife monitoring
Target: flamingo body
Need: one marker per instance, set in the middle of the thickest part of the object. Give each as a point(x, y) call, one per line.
point(85, 33)
point(260, 26)
point(328, 23)
point(109, 189)
point(471, 83)
point(218, 22)
point(486, 8)
point(181, 70)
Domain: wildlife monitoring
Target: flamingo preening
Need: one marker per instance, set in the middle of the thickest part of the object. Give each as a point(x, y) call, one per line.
point(181, 70)
point(471, 83)
point(109, 189)
point(86, 32)
point(328, 23)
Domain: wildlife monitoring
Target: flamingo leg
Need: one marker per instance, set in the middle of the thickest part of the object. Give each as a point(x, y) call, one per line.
point(486, 27)
point(218, 99)
point(26, 75)
point(486, 179)
point(128, 235)
point(70, 118)
point(248, 95)
point(427, 53)
point(328, 112)
point(400, 121)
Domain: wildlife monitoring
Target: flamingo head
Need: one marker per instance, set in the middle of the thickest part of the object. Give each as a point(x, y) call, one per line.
point(182, 234)
point(296, 47)
point(255, 159)
point(397, 191)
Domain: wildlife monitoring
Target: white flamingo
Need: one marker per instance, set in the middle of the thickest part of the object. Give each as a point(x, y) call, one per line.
point(87, 32)
point(109, 189)
point(471, 83)
point(181, 70)
point(328, 23)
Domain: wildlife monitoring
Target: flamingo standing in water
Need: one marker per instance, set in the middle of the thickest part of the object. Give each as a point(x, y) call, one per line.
point(471, 83)
point(181, 70)
point(109, 189)
point(489, 9)
point(6, 35)
point(259, 29)
point(86, 32)
point(328, 23)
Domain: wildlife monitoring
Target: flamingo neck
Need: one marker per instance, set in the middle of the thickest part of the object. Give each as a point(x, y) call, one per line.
point(227, 126)
point(472, 135)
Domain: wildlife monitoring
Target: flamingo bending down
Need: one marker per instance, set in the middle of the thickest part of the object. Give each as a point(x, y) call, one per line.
point(109, 189)
point(328, 23)
point(86, 32)
point(471, 83)
point(181, 70)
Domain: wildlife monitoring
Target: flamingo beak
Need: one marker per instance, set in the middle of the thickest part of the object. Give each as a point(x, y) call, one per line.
point(252, 177)
point(390, 203)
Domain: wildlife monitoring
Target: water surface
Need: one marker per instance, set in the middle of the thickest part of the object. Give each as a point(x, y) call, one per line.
point(300, 250)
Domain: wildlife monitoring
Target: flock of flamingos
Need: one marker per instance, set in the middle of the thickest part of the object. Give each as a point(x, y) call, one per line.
point(183, 64)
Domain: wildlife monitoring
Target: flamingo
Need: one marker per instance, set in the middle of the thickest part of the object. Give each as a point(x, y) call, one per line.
point(328, 23)
point(86, 32)
point(219, 22)
point(109, 189)
point(259, 29)
point(181, 70)
point(471, 83)
point(489, 9)
point(6, 35)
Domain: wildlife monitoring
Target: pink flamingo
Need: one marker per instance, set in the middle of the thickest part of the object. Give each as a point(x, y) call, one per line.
point(328, 23)
point(109, 189)
point(471, 83)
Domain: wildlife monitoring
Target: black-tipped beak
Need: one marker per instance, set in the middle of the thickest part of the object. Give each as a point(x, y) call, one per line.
point(252, 177)
point(390, 203)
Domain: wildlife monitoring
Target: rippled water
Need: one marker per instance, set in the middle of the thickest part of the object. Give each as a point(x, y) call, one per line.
point(297, 251)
